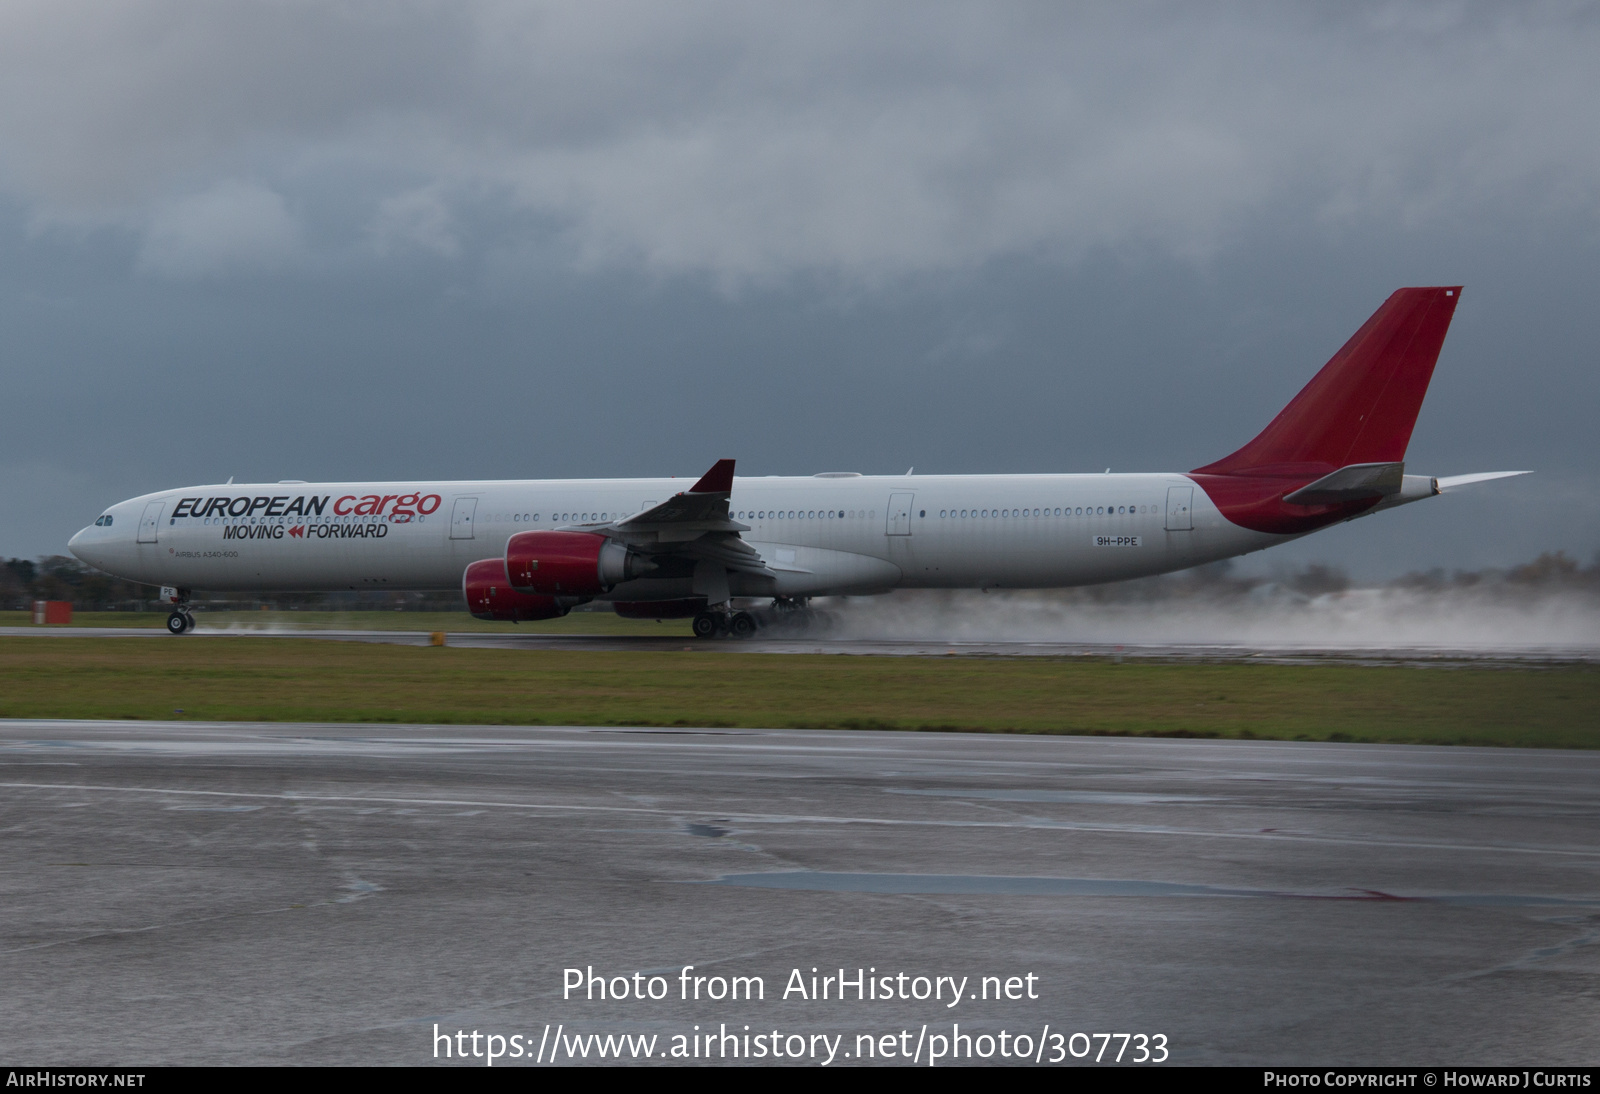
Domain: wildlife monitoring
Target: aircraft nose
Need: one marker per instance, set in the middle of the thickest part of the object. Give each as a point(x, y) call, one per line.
point(79, 546)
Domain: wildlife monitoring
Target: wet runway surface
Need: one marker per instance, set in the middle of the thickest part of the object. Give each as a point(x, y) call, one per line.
point(891, 647)
point(210, 893)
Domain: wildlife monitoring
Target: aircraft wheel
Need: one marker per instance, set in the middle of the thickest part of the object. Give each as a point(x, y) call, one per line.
point(706, 625)
point(177, 623)
point(742, 625)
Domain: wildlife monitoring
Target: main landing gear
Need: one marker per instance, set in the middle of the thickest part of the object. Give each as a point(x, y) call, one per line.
point(787, 617)
point(710, 623)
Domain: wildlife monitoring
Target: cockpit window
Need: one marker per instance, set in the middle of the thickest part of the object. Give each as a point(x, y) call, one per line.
point(104, 522)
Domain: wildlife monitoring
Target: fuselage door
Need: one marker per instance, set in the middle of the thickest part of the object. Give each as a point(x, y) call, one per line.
point(1180, 508)
point(461, 518)
point(150, 522)
point(899, 523)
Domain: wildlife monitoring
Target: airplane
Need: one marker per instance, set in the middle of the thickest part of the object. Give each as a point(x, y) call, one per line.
point(523, 550)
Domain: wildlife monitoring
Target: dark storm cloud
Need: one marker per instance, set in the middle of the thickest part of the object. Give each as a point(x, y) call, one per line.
point(754, 142)
point(317, 239)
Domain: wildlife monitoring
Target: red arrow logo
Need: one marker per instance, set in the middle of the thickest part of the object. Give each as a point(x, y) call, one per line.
point(297, 530)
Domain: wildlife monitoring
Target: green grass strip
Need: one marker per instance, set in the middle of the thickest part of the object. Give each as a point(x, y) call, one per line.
point(250, 679)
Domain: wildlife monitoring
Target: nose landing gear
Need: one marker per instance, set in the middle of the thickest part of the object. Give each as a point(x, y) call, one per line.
point(180, 620)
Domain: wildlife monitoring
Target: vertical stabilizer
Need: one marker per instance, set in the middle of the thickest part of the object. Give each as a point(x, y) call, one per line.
point(1363, 404)
point(1331, 453)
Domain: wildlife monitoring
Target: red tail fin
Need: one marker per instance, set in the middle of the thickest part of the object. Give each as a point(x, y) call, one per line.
point(1363, 404)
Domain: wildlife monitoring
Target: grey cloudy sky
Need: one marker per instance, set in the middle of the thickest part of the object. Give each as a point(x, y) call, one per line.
point(400, 240)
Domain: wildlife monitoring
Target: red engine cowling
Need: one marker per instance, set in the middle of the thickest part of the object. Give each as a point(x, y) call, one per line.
point(570, 563)
point(490, 596)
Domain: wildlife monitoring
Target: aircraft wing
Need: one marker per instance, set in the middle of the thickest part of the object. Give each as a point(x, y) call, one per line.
point(700, 509)
point(693, 524)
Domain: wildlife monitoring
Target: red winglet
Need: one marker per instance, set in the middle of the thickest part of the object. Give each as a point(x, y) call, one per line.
point(719, 480)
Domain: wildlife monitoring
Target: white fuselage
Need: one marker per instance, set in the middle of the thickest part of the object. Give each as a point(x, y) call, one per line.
point(822, 535)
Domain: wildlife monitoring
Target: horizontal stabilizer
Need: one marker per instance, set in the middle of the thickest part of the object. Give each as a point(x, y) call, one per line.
point(1358, 482)
point(1454, 481)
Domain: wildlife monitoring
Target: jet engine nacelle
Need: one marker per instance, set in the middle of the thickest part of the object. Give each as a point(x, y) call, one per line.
point(570, 563)
point(490, 596)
